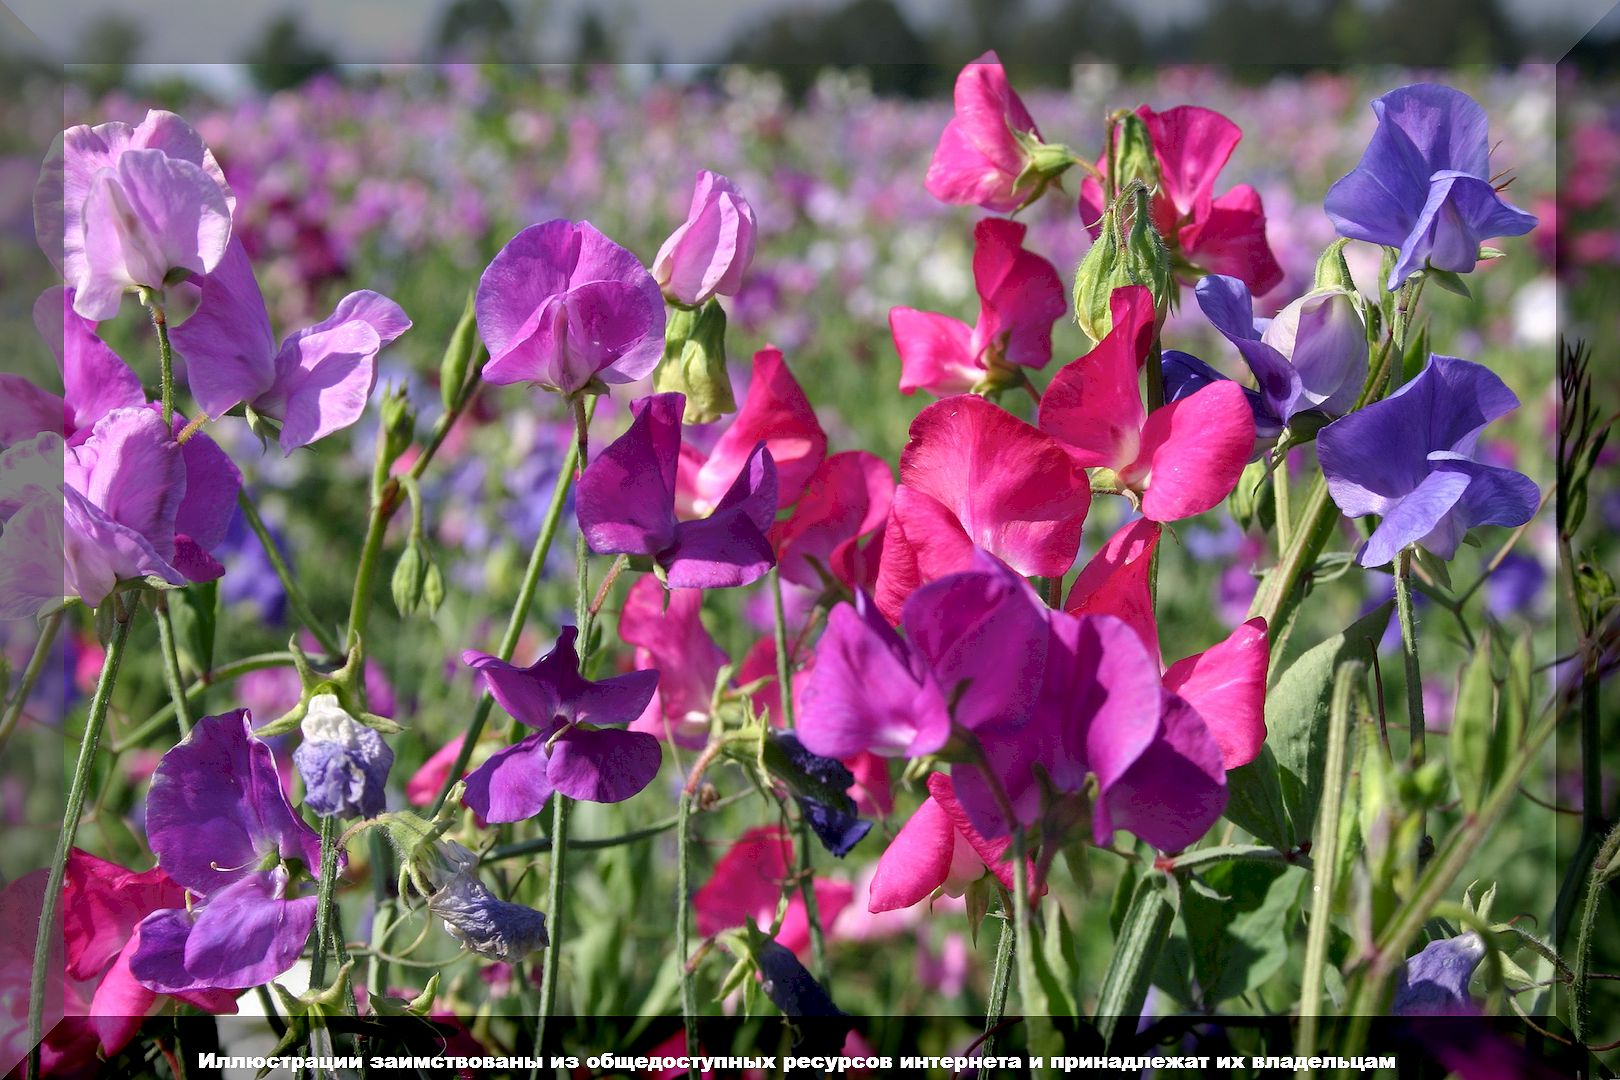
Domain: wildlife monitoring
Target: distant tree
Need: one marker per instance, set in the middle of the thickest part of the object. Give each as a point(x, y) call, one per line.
point(285, 56)
point(478, 30)
point(872, 35)
point(110, 44)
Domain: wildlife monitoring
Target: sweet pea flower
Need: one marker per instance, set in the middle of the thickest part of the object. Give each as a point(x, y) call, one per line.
point(666, 628)
point(1181, 459)
point(1020, 297)
point(95, 379)
point(747, 882)
point(708, 254)
point(788, 985)
point(577, 747)
point(103, 905)
point(775, 412)
point(563, 306)
point(1206, 233)
point(1435, 981)
point(986, 147)
point(120, 207)
point(972, 474)
point(222, 828)
point(846, 500)
point(1312, 356)
point(937, 849)
point(836, 822)
point(493, 928)
point(343, 763)
point(316, 382)
point(1410, 459)
point(1423, 186)
point(126, 503)
point(626, 504)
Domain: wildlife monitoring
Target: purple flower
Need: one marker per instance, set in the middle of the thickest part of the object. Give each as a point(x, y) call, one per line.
point(563, 306)
point(710, 251)
point(577, 747)
point(222, 828)
point(343, 763)
point(128, 502)
point(1515, 585)
point(1424, 184)
point(1435, 981)
point(1313, 355)
point(316, 383)
point(485, 924)
point(95, 379)
point(626, 501)
point(835, 821)
point(120, 207)
point(789, 986)
point(1410, 459)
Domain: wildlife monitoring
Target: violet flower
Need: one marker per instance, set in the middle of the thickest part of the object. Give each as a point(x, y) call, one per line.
point(563, 306)
point(120, 207)
point(835, 822)
point(95, 379)
point(315, 383)
point(626, 501)
point(1410, 459)
point(222, 828)
point(1435, 981)
point(1423, 185)
point(487, 925)
point(710, 251)
point(577, 747)
point(789, 986)
point(344, 764)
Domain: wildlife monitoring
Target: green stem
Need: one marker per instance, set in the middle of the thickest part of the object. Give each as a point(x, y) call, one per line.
point(1603, 869)
point(222, 674)
point(30, 676)
point(77, 788)
point(1202, 857)
point(1280, 492)
point(160, 324)
point(541, 844)
point(784, 687)
point(683, 932)
point(382, 919)
point(1325, 849)
point(561, 805)
point(1000, 981)
point(384, 495)
point(1414, 674)
point(1024, 953)
point(516, 620)
point(1136, 951)
point(324, 899)
point(171, 664)
point(295, 593)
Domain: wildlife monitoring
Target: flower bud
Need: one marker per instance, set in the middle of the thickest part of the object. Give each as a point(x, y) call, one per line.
point(343, 763)
point(1118, 258)
point(1323, 336)
point(458, 356)
point(709, 253)
point(1332, 271)
point(1133, 156)
point(694, 363)
point(485, 924)
point(398, 423)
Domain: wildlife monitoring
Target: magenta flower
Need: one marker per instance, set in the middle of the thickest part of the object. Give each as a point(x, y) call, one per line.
point(577, 747)
point(102, 907)
point(846, 500)
point(775, 412)
point(709, 252)
point(972, 474)
point(120, 207)
point(1410, 459)
point(938, 849)
point(1206, 233)
point(1181, 459)
point(666, 627)
point(563, 306)
point(1115, 580)
point(626, 501)
point(222, 828)
point(315, 383)
point(128, 502)
point(980, 159)
point(747, 882)
point(1423, 186)
point(1020, 297)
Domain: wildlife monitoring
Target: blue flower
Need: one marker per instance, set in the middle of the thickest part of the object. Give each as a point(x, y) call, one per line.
point(487, 925)
point(1423, 185)
point(1435, 981)
point(835, 823)
point(343, 763)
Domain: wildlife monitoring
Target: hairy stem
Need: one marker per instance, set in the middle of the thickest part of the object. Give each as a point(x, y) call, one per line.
point(171, 665)
point(30, 676)
point(160, 325)
point(1414, 674)
point(683, 932)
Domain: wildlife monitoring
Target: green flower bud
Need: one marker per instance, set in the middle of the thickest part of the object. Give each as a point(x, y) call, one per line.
point(458, 357)
point(694, 362)
point(1121, 257)
point(1332, 272)
point(1133, 157)
point(398, 423)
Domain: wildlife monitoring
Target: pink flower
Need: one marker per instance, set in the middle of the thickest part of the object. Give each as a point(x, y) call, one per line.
point(1182, 458)
point(1020, 296)
point(775, 412)
point(1206, 233)
point(972, 474)
point(747, 882)
point(845, 500)
point(979, 160)
point(426, 783)
point(667, 630)
point(709, 252)
point(938, 848)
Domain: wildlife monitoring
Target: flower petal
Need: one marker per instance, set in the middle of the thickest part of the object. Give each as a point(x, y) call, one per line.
point(1195, 450)
point(626, 496)
point(513, 785)
point(603, 765)
point(1226, 684)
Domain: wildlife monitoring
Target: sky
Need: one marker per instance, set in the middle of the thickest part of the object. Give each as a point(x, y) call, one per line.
point(398, 30)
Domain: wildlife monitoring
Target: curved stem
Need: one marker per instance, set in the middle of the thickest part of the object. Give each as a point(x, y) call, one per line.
point(171, 664)
point(1580, 974)
point(30, 676)
point(222, 674)
point(295, 593)
point(77, 788)
point(542, 844)
point(1414, 675)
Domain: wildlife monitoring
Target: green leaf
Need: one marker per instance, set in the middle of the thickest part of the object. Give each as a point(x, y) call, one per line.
point(1415, 354)
point(1451, 281)
point(1471, 728)
point(1275, 796)
point(1136, 953)
point(1513, 713)
point(1054, 964)
point(195, 613)
point(1239, 942)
